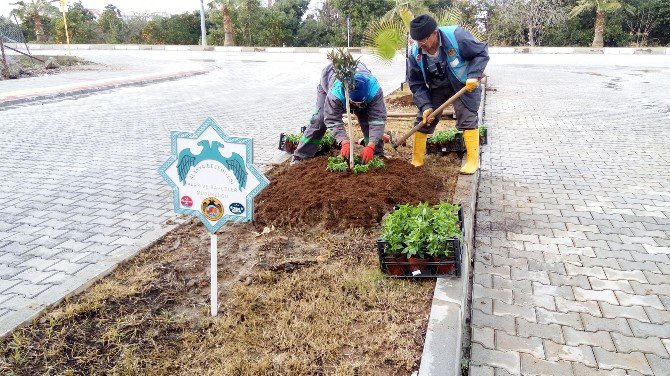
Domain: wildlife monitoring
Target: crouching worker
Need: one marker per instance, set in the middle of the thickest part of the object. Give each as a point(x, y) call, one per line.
point(442, 61)
point(366, 100)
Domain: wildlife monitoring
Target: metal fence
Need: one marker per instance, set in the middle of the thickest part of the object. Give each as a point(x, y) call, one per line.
point(11, 33)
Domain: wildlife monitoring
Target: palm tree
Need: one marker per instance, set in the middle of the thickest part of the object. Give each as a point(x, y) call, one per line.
point(35, 10)
point(391, 33)
point(228, 29)
point(601, 6)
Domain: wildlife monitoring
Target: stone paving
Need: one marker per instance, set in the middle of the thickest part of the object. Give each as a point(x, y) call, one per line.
point(80, 190)
point(572, 259)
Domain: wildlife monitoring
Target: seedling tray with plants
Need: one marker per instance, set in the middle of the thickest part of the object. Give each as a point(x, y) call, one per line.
point(288, 142)
point(340, 164)
point(422, 241)
point(483, 135)
point(445, 141)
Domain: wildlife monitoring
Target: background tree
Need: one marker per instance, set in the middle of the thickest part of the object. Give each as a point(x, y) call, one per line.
point(227, 7)
point(361, 14)
point(292, 12)
point(36, 12)
point(177, 29)
point(247, 22)
point(521, 22)
point(111, 24)
point(131, 29)
point(645, 16)
point(80, 24)
point(322, 29)
point(601, 7)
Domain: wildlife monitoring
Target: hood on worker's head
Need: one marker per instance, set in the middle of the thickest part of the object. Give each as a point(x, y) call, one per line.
point(360, 91)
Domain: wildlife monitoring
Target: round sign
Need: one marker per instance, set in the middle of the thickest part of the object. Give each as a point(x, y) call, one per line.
point(186, 201)
point(212, 208)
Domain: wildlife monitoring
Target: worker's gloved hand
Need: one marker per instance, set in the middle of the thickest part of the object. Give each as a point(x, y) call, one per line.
point(344, 151)
point(471, 84)
point(368, 154)
point(426, 114)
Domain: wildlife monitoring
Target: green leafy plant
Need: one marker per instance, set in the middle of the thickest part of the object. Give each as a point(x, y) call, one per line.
point(327, 141)
point(443, 136)
point(421, 230)
point(360, 168)
point(376, 162)
point(482, 130)
point(293, 138)
point(339, 164)
point(344, 66)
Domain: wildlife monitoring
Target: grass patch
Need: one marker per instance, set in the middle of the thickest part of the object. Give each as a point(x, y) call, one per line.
point(310, 303)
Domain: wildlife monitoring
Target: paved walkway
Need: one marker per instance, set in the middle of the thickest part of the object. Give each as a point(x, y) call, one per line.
point(80, 190)
point(572, 266)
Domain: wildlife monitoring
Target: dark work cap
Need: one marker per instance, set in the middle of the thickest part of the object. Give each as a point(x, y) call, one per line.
point(421, 26)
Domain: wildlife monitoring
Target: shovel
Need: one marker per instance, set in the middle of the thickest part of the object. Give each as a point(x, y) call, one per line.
point(431, 117)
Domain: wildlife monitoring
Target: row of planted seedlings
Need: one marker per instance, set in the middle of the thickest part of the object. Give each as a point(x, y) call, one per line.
point(448, 140)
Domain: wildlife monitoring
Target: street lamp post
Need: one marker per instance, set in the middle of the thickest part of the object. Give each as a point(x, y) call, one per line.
point(203, 31)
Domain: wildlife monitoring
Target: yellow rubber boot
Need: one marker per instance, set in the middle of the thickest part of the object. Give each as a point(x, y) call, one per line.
point(419, 151)
point(471, 138)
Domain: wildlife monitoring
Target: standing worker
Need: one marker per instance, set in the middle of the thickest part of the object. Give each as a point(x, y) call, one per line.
point(366, 100)
point(442, 61)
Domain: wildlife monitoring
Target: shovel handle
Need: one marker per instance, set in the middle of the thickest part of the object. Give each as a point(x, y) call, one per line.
point(430, 118)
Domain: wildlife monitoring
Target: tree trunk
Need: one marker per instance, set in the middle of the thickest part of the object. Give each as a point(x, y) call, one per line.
point(5, 68)
point(599, 29)
point(227, 28)
point(531, 34)
point(39, 29)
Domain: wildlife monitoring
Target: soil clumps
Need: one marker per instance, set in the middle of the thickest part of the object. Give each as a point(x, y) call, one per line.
point(308, 195)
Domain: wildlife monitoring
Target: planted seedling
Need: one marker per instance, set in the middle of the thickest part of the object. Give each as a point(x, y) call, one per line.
point(344, 66)
point(339, 164)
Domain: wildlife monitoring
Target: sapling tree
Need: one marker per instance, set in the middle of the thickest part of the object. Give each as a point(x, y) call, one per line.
point(344, 66)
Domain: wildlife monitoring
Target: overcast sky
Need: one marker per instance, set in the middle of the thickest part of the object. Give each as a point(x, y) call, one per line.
point(127, 6)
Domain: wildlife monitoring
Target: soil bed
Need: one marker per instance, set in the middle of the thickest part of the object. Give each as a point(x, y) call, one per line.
point(300, 290)
point(306, 194)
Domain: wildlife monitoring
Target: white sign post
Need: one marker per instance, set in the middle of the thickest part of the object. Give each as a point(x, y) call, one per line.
point(212, 178)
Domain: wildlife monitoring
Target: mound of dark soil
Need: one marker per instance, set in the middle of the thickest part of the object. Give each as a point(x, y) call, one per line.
point(308, 195)
point(403, 101)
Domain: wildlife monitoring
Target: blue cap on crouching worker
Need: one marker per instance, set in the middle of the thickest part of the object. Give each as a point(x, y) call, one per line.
point(360, 91)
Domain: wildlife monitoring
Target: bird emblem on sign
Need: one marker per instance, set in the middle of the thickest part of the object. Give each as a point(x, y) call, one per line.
point(210, 151)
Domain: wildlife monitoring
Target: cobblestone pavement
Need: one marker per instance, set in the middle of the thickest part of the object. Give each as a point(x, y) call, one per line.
point(80, 189)
point(572, 266)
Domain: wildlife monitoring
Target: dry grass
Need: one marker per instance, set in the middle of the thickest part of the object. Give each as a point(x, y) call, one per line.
point(312, 304)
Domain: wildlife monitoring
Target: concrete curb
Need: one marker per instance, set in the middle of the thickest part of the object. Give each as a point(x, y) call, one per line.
point(443, 347)
point(20, 97)
point(492, 49)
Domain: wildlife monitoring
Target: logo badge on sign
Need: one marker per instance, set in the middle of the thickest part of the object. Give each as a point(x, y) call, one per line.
point(212, 209)
point(186, 201)
point(451, 52)
point(236, 208)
